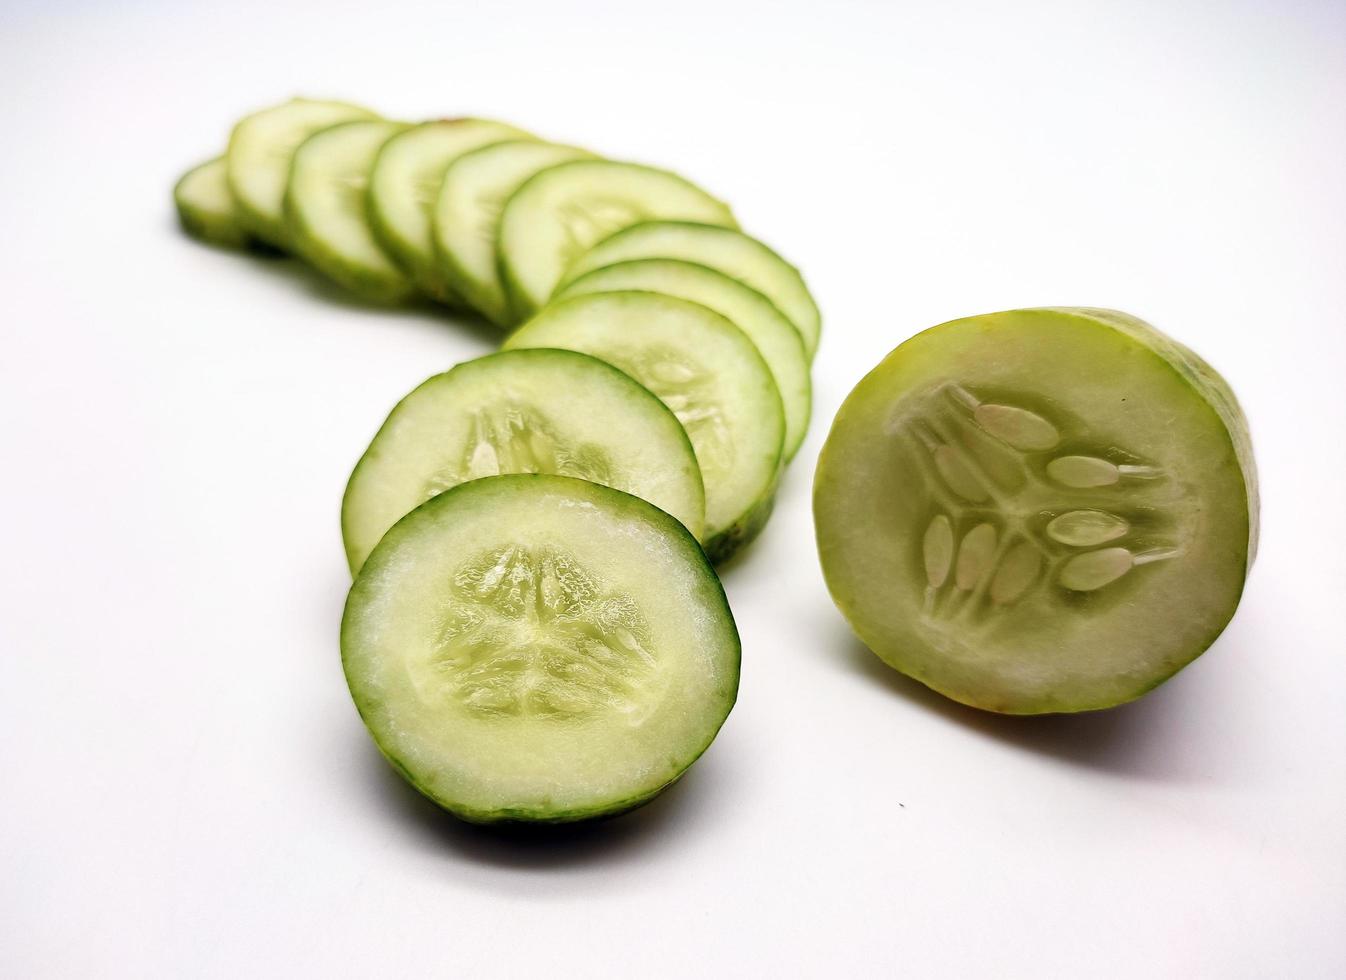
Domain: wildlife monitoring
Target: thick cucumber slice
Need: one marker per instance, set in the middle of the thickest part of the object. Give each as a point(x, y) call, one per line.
point(523, 411)
point(539, 648)
point(206, 208)
point(258, 162)
point(326, 214)
point(405, 184)
point(729, 251)
point(708, 372)
point(1040, 510)
point(775, 337)
point(562, 211)
point(467, 216)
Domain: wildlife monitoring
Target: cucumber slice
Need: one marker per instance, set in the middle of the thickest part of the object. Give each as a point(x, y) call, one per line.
point(562, 211)
point(708, 372)
point(206, 208)
point(731, 252)
point(523, 411)
point(258, 161)
point(405, 184)
point(1039, 510)
point(540, 649)
point(467, 216)
point(775, 338)
point(325, 210)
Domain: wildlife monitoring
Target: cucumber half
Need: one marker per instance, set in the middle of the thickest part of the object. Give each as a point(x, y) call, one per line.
point(775, 338)
point(730, 251)
point(1038, 511)
point(563, 210)
point(206, 208)
point(467, 216)
point(540, 649)
point(325, 210)
point(708, 372)
point(522, 411)
point(405, 184)
point(258, 161)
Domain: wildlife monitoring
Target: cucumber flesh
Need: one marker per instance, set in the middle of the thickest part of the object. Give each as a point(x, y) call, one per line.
point(562, 211)
point(467, 216)
point(326, 215)
point(522, 411)
point(539, 649)
point(405, 184)
point(732, 252)
point(708, 372)
point(258, 161)
point(206, 208)
point(1039, 510)
point(774, 336)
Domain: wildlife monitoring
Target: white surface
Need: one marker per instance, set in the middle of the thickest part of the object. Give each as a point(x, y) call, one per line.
point(187, 791)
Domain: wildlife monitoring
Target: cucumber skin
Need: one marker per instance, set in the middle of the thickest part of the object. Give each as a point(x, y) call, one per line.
point(729, 542)
point(1212, 389)
point(510, 816)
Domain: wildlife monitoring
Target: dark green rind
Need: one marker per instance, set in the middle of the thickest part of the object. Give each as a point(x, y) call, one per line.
point(524, 352)
point(619, 500)
point(731, 541)
point(1212, 391)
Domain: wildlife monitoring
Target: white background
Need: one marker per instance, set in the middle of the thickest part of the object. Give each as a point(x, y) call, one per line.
point(185, 789)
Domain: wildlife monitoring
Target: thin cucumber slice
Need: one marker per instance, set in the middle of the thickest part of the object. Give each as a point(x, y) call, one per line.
point(732, 252)
point(326, 215)
point(405, 184)
point(1039, 510)
point(564, 210)
point(258, 161)
point(774, 336)
point(467, 216)
point(522, 411)
point(539, 649)
point(708, 372)
point(206, 208)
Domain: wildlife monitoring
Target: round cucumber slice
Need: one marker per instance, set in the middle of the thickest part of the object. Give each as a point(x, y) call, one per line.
point(521, 411)
point(326, 215)
point(775, 338)
point(708, 372)
point(539, 649)
point(258, 161)
point(467, 216)
point(206, 208)
point(405, 184)
point(1039, 510)
point(730, 251)
point(563, 210)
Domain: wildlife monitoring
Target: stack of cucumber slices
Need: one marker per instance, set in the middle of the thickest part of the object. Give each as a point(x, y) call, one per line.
point(535, 631)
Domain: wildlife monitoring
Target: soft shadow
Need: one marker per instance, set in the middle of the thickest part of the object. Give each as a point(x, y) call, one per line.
point(629, 836)
point(1141, 738)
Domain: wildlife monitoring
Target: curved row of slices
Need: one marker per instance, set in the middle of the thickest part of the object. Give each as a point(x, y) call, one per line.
point(624, 266)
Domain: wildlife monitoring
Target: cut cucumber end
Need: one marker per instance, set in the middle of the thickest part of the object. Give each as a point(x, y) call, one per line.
point(737, 255)
point(206, 208)
point(535, 648)
point(1039, 510)
point(560, 212)
point(707, 371)
point(521, 411)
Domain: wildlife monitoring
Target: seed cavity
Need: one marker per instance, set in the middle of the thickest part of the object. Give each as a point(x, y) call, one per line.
point(689, 390)
point(957, 472)
point(1016, 573)
point(531, 632)
point(975, 556)
point(1024, 430)
point(937, 550)
point(1087, 528)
